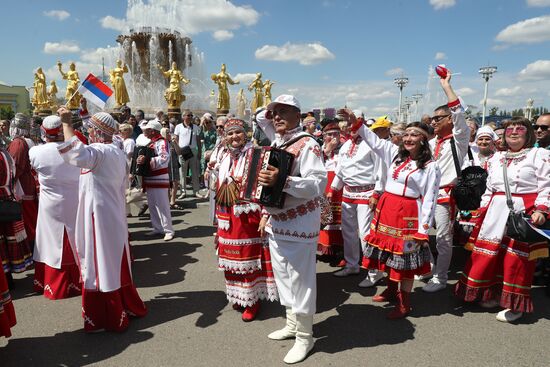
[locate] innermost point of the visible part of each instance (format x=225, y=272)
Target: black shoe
x=143, y=210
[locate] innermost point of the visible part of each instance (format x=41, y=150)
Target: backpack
x=471, y=184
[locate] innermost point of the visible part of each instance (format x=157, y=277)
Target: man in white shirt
x=187, y=135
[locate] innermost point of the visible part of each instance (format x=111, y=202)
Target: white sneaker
x=433, y=286
x=507, y=315
x=346, y=272
x=370, y=281
x=168, y=236
x=492, y=303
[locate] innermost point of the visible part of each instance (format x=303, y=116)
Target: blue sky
x=328, y=53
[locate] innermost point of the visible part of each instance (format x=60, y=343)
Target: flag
x=95, y=91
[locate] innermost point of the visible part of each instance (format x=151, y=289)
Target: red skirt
x=390, y=245
x=7, y=312
x=15, y=249
x=330, y=236
x=111, y=310
x=59, y=283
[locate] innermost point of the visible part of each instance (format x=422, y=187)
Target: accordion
x=256, y=160
x=143, y=169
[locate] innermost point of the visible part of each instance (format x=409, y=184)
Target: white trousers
x=192, y=164
x=356, y=220
x=159, y=207
x=295, y=274
x=444, y=242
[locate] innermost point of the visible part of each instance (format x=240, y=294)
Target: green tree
x=6, y=113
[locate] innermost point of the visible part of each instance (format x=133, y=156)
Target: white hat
x=208, y=116
x=51, y=126
x=104, y=122
x=286, y=99
x=358, y=113
x=154, y=125
x=142, y=124
x=486, y=131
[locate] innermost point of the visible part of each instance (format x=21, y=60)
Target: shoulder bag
x=471, y=183
x=186, y=151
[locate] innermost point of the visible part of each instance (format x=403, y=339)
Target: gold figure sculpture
x=241, y=104
x=258, y=99
x=267, y=92
x=40, y=97
x=73, y=80
x=52, y=95
x=116, y=76
x=173, y=95
x=221, y=79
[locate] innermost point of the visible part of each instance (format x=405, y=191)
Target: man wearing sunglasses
x=541, y=130
x=187, y=134
x=450, y=128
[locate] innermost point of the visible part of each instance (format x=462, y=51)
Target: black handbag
x=10, y=209
x=187, y=152
x=517, y=225
x=471, y=183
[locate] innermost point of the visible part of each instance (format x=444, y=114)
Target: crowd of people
x=360, y=192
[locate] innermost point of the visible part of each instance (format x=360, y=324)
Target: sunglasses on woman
x=515, y=129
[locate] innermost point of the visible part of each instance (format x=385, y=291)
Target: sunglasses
x=517, y=129
x=219, y=127
x=542, y=127
x=436, y=119
x=188, y=115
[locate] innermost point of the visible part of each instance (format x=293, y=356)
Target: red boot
x=250, y=312
x=389, y=294
x=402, y=308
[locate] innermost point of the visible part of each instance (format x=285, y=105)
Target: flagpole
x=67, y=103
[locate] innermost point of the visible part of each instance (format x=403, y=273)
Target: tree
x=6, y=113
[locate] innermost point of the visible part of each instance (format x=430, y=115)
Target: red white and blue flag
x=95, y=91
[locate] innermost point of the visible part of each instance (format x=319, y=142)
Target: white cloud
x=186, y=16
x=442, y=4
x=466, y=91
x=222, y=35
x=507, y=92
x=394, y=71
x=440, y=56
x=59, y=14
x=493, y=102
x=538, y=3
x=538, y=70
x=532, y=30
x=62, y=47
x=244, y=77
x=305, y=54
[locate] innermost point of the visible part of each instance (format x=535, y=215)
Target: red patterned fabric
x=59, y=283
x=111, y=310
x=15, y=250
x=7, y=312
x=330, y=236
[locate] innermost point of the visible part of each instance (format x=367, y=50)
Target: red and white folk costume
x=403, y=214
x=7, y=312
x=501, y=268
x=109, y=296
x=56, y=271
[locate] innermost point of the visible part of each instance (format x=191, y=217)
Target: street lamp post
x=408, y=103
x=486, y=72
x=401, y=82
x=416, y=97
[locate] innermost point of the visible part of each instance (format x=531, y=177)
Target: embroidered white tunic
x=101, y=227
x=405, y=179
x=299, y=219
x=58, y=203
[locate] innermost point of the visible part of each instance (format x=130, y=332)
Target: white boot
x=304, y=340
x=289, y=331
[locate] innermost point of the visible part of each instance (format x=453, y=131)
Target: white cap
x=486, y=131
x=51, y=122
x=142, y=124
x=358, y=113
x=153, y=125
x=286, y=99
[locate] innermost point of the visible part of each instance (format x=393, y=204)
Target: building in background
x=15, y=98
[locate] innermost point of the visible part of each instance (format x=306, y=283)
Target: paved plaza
x=190, y=323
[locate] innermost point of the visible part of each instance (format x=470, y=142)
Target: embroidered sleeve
x=429, y=194
x=312, y=177
x=492, y=164
x=383, y=148
x=461, y=131
x=542, y=166
x=77, y=154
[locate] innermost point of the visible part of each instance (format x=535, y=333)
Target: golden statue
x=173, y=95
x=257, y=85
x=73, y=80
x=117, y=81
x=267, y=92
x=221, y=79
x=52, y=95
x=241, y=104
x=40, y=97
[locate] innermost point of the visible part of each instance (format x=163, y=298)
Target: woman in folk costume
x=15, y=249
x=330, y=236
x=56, y=273
x=243, y=253
x=109, y=296
x=398, y=239
x=25, y=182
x=500, y=269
